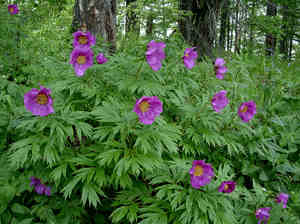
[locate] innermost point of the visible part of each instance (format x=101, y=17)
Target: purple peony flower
x=247, y=110
x=189, y=57
x=155, y=54
x=201, y=173
x=82, y=39
x=13, y=9
x=101, y=59
x=227, y=186
x=263, y=215
x=220, y=69
x=147, y=108
x=40, y=188
x=81, y=59
x=34, y=181
x=219, y=101
x=47, y=191
x=282, y=197
x=39, y=102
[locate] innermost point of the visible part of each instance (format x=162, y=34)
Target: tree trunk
x=284, y=42
x=284, y=39
x=224, y=25
x=99, y=17
x=244, y=28
x=237, y=28
x=291, y=48
x=231, y=33
x=199, y=30
x=149, y=24
x=228, y=32
x=251, y=27
x=132, y=23
x=270, y=39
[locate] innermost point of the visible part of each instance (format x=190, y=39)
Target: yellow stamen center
x=82, y=39
x=198, y=171
x=11, y=9
x=244, y=109
x=81, y=59
x=42, y=99
x=144, y=106
x=187, y=55
x=226, y=187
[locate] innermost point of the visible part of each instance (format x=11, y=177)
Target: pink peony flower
x=227, y=186
x=189, y=57
x=155, y=54
x=13, y=9
x=39, y=102
x=82, y=39
x=81, y=59
x=39, y=187
x=201, y=173
x=147, y=108
x=220, y=69
x=282, y=197
x=263, y=215
x=47, y=191
x=247, y=110
x=101, y=59
x=219, y=101
x=34, y=181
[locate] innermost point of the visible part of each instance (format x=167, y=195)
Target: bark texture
x=224, y=23
x=98, y=16
x=270, y=39
x=149, y=24
x=284, y=38
x=132, y=22
x=237, y=28
x=251, y=27
x=200, y=29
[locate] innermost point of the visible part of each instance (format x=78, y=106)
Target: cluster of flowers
x=82, y=56
x=39, y=187
x=201, y=174
x=39, y=102
x=13, y=9
x=147, y=108
x=246, y=111
x=155, y=54
x=263, y=214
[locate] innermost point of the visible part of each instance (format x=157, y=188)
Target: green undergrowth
x=104, y=166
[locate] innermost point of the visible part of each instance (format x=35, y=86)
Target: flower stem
x=139, y=69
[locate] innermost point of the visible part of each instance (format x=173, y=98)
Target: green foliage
x=104, y=166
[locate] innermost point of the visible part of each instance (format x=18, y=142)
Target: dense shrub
x=104, y=166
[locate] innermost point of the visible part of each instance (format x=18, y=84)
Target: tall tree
x=132, y=23
x=99, y=17
x=251, y=26
x=149, y=23
x=284, y=45
x=270, y=39
x=224, y=25
x=199, y=29
x=237, y=28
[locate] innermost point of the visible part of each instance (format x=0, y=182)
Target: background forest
x=221, y=141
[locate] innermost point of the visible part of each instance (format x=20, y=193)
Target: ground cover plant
x=146, y=135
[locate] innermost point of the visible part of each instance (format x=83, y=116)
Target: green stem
x=139, y=69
